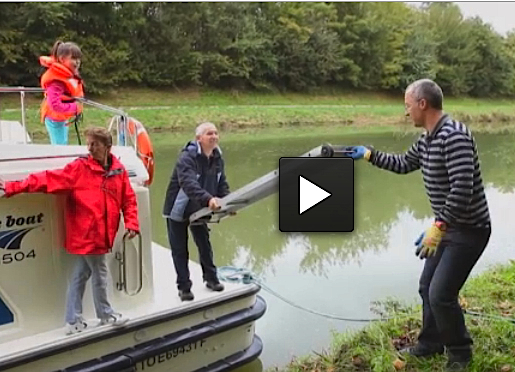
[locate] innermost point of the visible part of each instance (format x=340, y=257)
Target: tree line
x=261, y=46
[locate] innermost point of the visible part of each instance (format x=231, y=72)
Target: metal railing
x=121, y=257
x=122, y=117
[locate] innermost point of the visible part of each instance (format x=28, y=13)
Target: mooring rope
x=233, y=274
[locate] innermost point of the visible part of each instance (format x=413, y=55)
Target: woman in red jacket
x=97, y=188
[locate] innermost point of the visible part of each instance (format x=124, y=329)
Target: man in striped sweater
x=447, y=155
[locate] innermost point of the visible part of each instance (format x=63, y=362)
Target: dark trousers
x=442, y=278
x=178, y=239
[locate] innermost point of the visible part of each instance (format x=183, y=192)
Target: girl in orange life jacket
x=61, y=82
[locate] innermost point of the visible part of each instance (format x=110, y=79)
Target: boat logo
x=12, y=238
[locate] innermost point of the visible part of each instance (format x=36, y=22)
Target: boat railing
x=117, y=124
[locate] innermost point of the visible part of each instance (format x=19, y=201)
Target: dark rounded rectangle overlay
x=333, y=214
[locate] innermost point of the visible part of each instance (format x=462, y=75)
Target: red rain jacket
x=95, y=198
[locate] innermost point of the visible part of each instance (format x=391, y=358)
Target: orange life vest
x=73, y=84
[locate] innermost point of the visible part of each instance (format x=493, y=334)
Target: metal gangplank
x=261, y=187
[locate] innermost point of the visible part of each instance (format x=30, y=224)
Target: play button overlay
x=316, y=194
x=310, y=194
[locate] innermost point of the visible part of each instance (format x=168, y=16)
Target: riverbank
x=374, y=348
x=252, y=113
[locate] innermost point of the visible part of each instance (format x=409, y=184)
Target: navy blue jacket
x=195, y=180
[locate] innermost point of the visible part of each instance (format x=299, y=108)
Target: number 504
x=9, y=258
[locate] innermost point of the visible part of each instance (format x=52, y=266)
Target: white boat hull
x=158, y=345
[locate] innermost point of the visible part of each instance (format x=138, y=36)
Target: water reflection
x=338, y=273
x=254, y=366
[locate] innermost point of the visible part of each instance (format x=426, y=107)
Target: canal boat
x=214, y=332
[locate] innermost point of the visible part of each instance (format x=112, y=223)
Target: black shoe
x=458, y=359
x=454, y=366
x=422, y=351
x=186, y=295
x=215, y=286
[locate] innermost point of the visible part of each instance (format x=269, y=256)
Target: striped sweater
x=450, y=168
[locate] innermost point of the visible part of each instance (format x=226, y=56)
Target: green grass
x=374, y=348
x=203, y=97
x=178, y=112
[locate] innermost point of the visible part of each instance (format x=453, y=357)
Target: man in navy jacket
x=198, y=180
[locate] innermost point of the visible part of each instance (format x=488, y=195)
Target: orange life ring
x=145, y=148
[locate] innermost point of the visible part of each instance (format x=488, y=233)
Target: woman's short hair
x=100, y=134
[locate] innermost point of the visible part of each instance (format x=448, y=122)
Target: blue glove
x=418, y=243
x=360, y=152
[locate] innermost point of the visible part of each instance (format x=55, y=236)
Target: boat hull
x=215, y=345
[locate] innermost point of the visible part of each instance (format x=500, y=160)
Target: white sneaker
x=115, y=319
x=77, y=327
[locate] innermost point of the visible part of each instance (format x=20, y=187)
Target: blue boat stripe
x=17, y=239
x=6, y=316
x=11, y=239
x=6, y=237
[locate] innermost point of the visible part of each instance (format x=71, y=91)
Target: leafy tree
x=293, y=46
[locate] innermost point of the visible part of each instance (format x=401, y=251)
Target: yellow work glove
x=428, y=241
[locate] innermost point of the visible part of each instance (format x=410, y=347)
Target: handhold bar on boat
x=121, y=285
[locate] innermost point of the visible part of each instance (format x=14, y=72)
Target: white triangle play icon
x=310, y=194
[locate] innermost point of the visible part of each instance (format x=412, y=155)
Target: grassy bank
x=249, y=113
x=374, y=348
